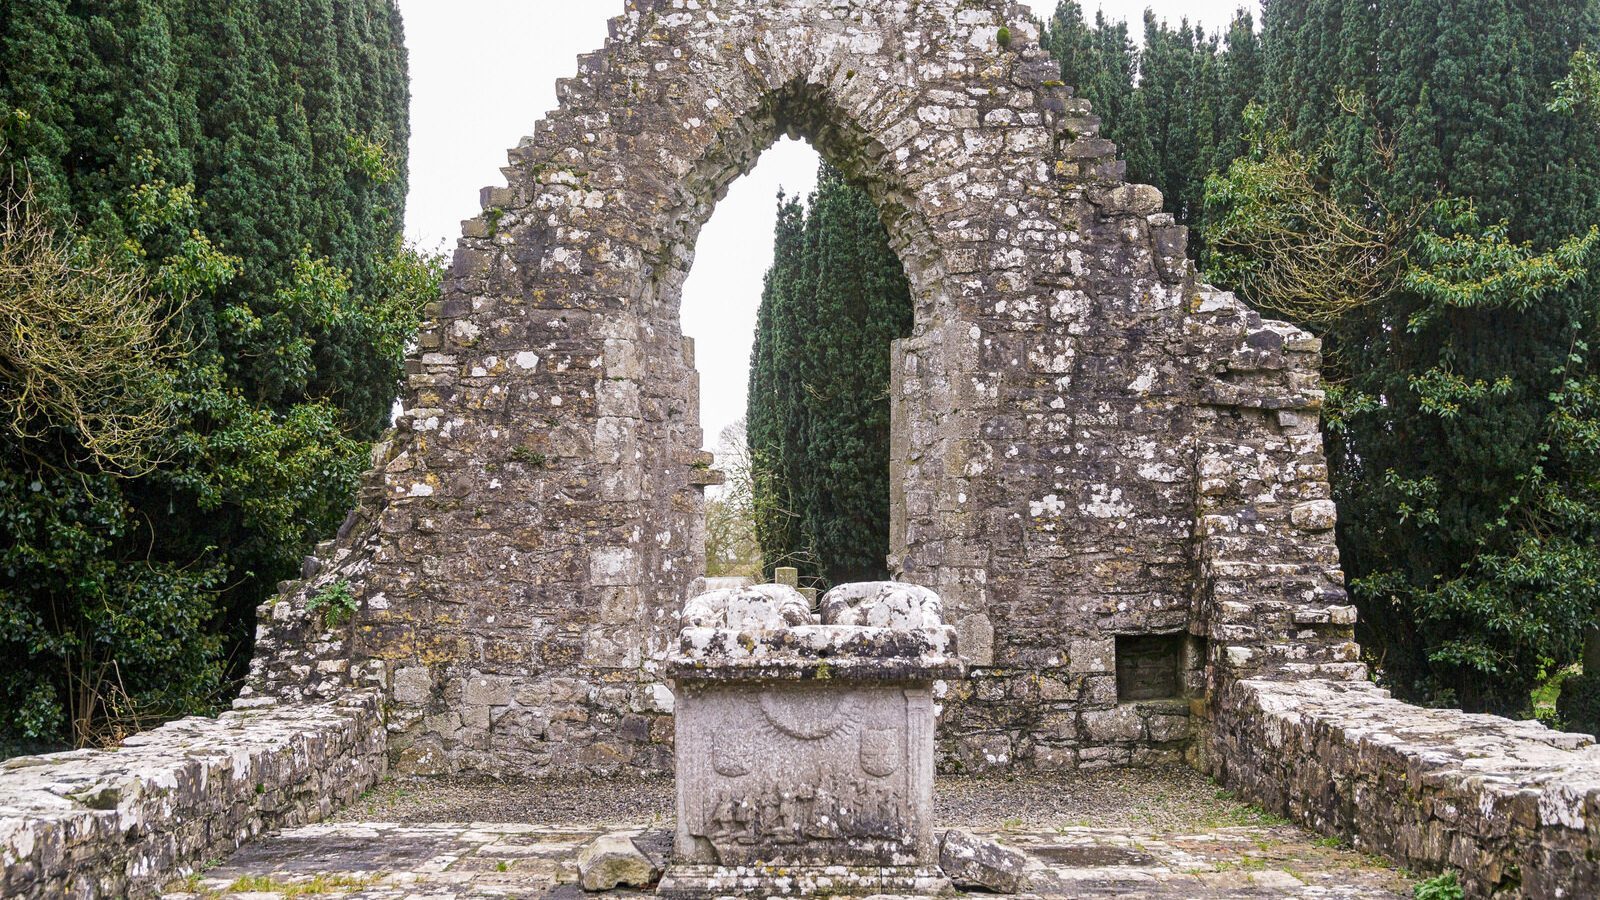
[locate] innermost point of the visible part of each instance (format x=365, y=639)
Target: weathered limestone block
x=1315, y=515
x=1121, y=724
x=809, y=746
x=975, y=639
x=975, y=864
x=613, y=860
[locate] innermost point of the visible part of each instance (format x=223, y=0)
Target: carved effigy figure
x=788, y=824
x=769, y=825
x=824, y=821
x=744, y=822
x=723, y=823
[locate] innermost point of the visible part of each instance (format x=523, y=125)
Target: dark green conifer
x=248, y=159
x=818, y=417
x=1457, y=497
x=777, y=522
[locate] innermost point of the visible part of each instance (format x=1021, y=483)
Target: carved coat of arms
x=880, y=750
x=732, y=751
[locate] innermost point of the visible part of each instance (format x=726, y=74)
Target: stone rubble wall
x=1513, y=807
x=122, y=823
x=1088, y=441
x=298, y=657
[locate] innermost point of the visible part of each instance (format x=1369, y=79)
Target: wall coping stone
x=123, y=822
x=1513, y=806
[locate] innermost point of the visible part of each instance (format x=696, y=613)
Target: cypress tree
x=1456, y=500
x=768, y=403
x=1237, y=84
x=818, y=414
x=246, y=160
x=1176, y=107
x=1100, y=64
x=862, y=303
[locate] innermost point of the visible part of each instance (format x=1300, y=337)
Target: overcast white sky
x=484, y=71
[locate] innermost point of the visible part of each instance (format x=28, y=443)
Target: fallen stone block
x=976, y=864
x=611, y=861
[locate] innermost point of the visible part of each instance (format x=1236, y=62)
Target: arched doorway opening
x=799, y=419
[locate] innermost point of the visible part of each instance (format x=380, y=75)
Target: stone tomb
x=805, y=742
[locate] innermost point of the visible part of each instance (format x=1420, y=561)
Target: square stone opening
x=1150, y=667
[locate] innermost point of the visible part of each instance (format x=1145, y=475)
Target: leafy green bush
x=227, y=172
x=1440, y=887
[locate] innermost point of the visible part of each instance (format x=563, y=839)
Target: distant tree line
x=1418, y=181
x=1175, y=106
x=731, y=547
x=204, y=310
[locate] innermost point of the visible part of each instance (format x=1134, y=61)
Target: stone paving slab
x=498, y=861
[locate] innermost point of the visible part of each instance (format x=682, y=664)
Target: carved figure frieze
x=823, y=808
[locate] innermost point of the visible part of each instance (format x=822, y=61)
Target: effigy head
x=876, y=630
x=760, y=607
x=883, y=604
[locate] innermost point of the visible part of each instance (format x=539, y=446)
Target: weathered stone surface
x=975, y=639
x=769, y=633
x=883, y=604
x=683, y=882
x=1317, y=515
x=612, y=860
x=976, y=864
x=1512, y=806
x=91, y=824
x=756, y=607
x=499, y=861
x=805, y=775
x=1087, y=441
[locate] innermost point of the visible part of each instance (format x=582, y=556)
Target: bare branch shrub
x=85, y=345
x=1291, y=248
x=731, y=546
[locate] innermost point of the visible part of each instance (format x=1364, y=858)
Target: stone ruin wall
x=1090, y=443
x=1512, y=807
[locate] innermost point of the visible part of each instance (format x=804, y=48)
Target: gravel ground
x=1167, y=799
x=1162, y=800
x=416, y=801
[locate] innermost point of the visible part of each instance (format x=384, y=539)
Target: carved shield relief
x=732, y=751
x=880, y=750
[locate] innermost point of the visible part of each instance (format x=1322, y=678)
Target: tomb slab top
x=874, y=632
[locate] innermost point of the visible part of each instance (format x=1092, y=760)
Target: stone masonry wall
x=1512, y=806
x=1088, y=442
x=112, y=824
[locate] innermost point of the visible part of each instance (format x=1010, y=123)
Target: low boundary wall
x=1512, y=806
x=121, y=823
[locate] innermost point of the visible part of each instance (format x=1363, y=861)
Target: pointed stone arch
x=1088, y=442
